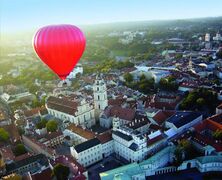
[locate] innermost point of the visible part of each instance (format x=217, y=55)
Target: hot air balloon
x=60, y=47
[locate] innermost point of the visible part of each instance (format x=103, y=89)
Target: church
x=80, y=110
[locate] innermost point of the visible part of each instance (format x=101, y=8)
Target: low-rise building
x=124, y=115
x=129, y=144
x=78, y=134
x=32, y=164
x=88, y=152
x=183, y=120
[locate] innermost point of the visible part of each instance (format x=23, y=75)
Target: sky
x=21, y=15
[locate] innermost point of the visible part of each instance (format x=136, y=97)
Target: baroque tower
x=100, y=96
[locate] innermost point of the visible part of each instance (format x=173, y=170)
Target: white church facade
x=79, y=111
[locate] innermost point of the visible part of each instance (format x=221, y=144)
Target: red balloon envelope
x=60, y=47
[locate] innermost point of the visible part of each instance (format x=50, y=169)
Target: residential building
x=78, y=134
x=183, y=120
x=129, y=144
x=88, y=152
x=124, y=115
x=32, y=164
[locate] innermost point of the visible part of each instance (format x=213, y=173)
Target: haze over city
x=31, y=14
x=110, y=89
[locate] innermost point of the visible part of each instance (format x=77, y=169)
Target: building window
x=99, y=106
x=98, y=97
x=97, y=88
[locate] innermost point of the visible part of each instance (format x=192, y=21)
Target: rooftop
x=85, y=133
x=87, y=144
x=62, y=105
x=122, y=113
x=183, y=117
x=122, y=135
x=124, y=172
x=40, y=158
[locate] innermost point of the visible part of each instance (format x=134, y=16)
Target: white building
x=70, y=111
x=107, y=143
x=77, y=70
x=130, y=144
x=150, y=72
x=218, y=37
x=87, y=153
x=78, y=134
x=16, y=97
x=207, y=37
x=183, y=120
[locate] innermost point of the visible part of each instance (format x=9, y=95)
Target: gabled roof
x=62, y=105
x=122, y=113
x=162, y=116
x=182, y=118
x=24, y=162
x=123, y=136
x=105, y=137
x=85, y=133
x=86, y=145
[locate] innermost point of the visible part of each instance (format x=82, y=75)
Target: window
x=97, y=88
x=99, y=106
x=98, y=97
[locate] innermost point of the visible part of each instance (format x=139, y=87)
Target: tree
x=182, y=151
x=51, y=126
x=19, y=150
x=217, y=134
x=168, y=84
x=41, y=124
x=197, y=100
x=128, y=77
x=142, y=77
x=4, y=135
x=200, y=102
x=219, y=54
x=61, y=172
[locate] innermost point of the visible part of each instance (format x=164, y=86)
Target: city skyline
x=25, y=15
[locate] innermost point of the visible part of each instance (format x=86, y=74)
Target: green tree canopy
x=197, y=100
x=41, y=124
x=61, y=172
x=168, y=84
x=51, y=126
x=217, y=134
x=19, y=150
x=128, y=77
x=4, y=135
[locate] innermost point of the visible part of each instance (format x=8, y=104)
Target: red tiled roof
x=13, y=132
x=217, y=118
x=154, y=127
x=7, y=153
x=199, y=137
x=23, y=156
x=162, y=116
x=105, y=137
x=33, y=112
x=62, y=105
x=45, y=174
x=69, y=161
x=51, y=135
x=87, y=134
x=122, y=113
x=115, y=102
x=219, y=107
x=155, y=140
